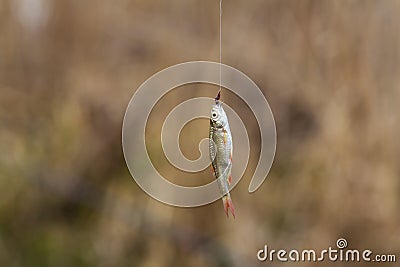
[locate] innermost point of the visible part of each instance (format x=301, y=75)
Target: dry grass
x=331, y=73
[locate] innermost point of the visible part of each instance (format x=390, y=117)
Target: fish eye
x=214, y=115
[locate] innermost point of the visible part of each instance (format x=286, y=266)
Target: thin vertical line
x=220, y=44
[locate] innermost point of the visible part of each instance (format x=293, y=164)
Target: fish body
x=221, y=147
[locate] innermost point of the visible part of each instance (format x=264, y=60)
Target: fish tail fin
x=228, y=205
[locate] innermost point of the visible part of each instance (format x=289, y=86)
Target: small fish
x=220, y=144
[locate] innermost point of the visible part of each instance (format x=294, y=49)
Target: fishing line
x=220, y=50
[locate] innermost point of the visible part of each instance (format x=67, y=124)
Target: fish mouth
x=218, y=96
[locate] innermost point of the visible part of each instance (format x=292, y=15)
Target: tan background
x=330, y=71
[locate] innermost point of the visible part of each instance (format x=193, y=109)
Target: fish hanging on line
x=220, y=144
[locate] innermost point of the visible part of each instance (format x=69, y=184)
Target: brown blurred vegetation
x=330, y=71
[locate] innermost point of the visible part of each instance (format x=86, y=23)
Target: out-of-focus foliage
x=331, y=73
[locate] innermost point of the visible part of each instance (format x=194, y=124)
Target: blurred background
x=329, y=69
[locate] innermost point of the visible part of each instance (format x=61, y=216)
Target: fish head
x=218, y=116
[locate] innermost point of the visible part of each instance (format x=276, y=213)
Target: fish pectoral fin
x=212, y=171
